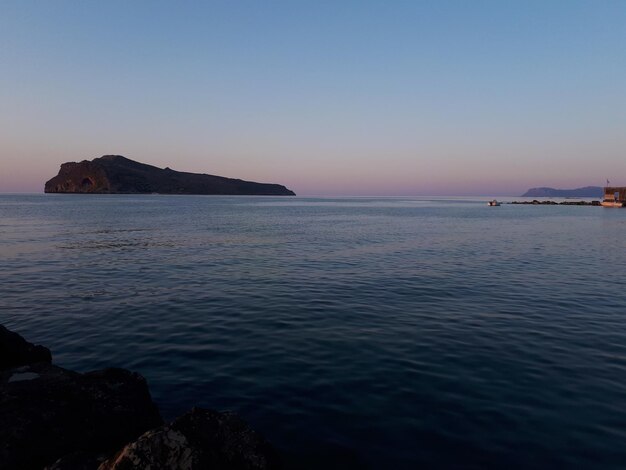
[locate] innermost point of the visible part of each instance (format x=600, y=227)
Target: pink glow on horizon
x=418, y=178
x=326, y=99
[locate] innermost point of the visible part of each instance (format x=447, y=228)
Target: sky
x=326, y=97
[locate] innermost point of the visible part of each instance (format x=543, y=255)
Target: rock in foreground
x=116, y=174
x=16, y=351
x=200, y=439
x=47, y=412
x=70, y=421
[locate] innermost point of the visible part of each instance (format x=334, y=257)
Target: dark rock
x=200, y=439
x=117, y=174
x=70, y=421
x=48, y=412
x=78, y=461
x=16, y=351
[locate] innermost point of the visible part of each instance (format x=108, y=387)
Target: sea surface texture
x=352, y=332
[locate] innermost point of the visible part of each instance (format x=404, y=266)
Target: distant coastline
x=587, y=191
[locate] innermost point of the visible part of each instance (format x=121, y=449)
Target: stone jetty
x=536, y=202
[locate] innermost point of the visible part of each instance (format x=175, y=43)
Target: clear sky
x=327, y=97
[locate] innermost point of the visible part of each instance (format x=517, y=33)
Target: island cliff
x=116, y=174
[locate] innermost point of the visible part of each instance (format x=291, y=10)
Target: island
x=115, y=174
x=587, y=191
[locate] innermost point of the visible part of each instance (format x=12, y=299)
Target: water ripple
x=383, y=333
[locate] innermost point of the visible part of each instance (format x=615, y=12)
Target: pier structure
x=614, y=196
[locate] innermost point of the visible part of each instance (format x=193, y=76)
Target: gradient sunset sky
x=325, y=97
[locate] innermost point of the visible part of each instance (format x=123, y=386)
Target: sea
x=382, y=333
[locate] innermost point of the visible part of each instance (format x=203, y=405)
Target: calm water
x=381, y=333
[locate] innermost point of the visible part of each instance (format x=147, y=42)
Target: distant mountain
x=587, y=191
x=116, y=174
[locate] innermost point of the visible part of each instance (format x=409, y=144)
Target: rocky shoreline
x=536, y=202
x=58, y=419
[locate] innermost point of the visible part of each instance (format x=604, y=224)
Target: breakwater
x=536, y=202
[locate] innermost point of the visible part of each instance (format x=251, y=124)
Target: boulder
x=200, y=439
x=48, y=412
x=57, y=419
x=16, y=351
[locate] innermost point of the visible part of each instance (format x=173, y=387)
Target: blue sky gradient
x=350, y=97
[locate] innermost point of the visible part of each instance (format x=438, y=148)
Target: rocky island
x=115, y=174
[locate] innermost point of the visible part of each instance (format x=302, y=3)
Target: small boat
x=493, y=203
